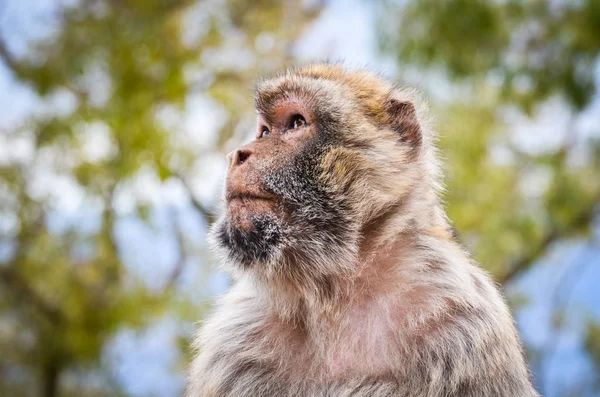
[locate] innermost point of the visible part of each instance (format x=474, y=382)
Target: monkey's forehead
x=329, y=82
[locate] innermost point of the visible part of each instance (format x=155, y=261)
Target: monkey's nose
x=239, y=157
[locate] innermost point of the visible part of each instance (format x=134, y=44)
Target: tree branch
x=9, y=59
x=585, y=217
x=206, y=213
x=14, y=280
x=179, y=264
x=50, y=377
x=113, y=267
x=11, y=277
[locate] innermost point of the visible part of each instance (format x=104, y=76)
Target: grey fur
x=363, y=292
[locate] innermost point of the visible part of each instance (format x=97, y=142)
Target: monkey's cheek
x=242, y=212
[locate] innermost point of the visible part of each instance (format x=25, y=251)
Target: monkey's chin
x=249, y=238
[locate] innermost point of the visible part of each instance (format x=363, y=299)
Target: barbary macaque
x=347, y=280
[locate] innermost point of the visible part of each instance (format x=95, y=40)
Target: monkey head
x=334, y=152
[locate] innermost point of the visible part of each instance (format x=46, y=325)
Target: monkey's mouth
x=244, y=207
x=247, y=196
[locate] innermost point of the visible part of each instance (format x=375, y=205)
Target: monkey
x=346, y=277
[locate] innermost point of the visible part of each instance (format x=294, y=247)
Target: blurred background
x=116, y=115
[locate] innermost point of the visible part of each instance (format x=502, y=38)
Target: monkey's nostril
x=242, y=156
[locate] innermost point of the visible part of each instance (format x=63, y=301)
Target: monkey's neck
x=367, y=265
x=419, y=212
x=390, y=244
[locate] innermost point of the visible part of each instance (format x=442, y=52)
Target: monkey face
x=279, y=139
x=326, y=160
x=276, y=205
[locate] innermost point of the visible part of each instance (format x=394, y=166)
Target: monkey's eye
x=297, y=122
x=264, y=132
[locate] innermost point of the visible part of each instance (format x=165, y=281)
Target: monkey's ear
x=403, y=119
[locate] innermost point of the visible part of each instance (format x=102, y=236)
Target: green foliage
x=533, y=49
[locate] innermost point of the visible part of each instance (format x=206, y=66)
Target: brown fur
x=396, y=307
